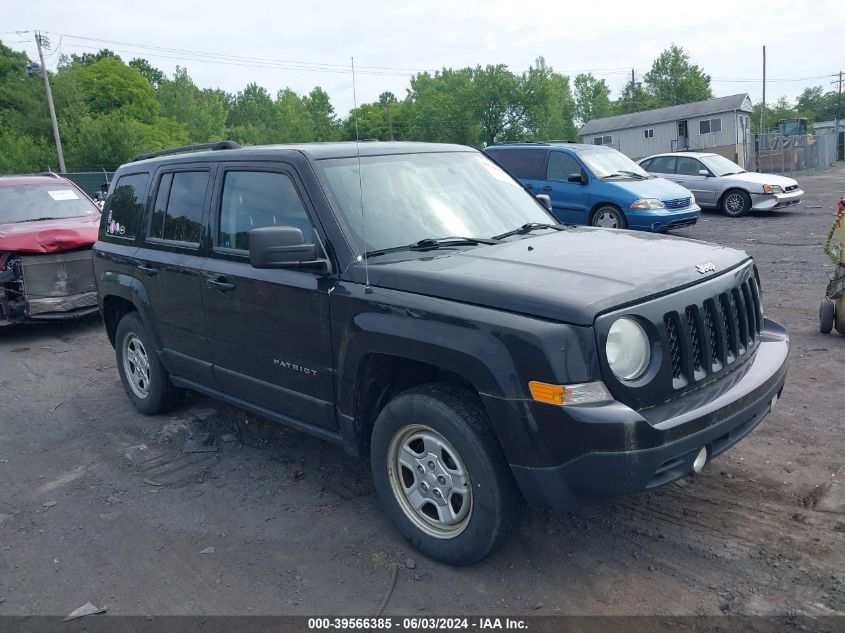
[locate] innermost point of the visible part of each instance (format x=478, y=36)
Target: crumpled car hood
x=49, y=236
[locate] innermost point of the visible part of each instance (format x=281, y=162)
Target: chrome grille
x=680, y=203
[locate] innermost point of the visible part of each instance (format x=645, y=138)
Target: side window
x=254, y=199
x=688, y=166
x=662, y=165
x=561, y=166
x=527, y=164
x=177, y=213
x=645, y=164
x=123, y=211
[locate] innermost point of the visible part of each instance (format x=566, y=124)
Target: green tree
x=202, y=112
x=441, y=108
x=592, y=98
x=21, y=153
x=294, y=121
x=322, y=114
x=390, y=106
x=821, y=104
x=148, y=72
x=551, y=106
x=108, y=140
x=634, y=98
x=673, y=80
x=110, y=85
x=501, y=106
x=252, y=117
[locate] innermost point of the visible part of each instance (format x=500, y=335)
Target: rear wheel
x=736, y=203
x=826, y=315
x=609, y=217
x=143, y=376
x=441, y=475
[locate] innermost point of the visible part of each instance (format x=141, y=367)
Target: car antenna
x=367, y=288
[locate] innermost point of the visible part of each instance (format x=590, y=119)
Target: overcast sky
x=391, y=41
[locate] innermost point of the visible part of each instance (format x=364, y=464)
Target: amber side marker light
x=562, y=395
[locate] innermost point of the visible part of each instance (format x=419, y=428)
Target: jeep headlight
x=648, y=203
x=691, y=198
x=772, y=189
x=628, y=349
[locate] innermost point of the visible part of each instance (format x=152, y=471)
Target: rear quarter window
x=124, y=207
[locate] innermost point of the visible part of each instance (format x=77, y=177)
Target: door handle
x=220, y=284
x=529, y=186
x=547, y=188
x=147, y=270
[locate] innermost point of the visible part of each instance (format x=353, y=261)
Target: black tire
x=132, y=339
x=839, y=317
x=826, y=315
x=495, y=505
x=609, y=213
x=735, y=203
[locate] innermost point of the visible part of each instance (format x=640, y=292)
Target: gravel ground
x=100, y=504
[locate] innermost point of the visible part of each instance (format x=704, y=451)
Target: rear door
x=570, y=200
x=687, y=174
x=269, y=329
x=170, y=265
x=662, y=166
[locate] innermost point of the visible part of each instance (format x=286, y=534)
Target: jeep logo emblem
x=705, y=268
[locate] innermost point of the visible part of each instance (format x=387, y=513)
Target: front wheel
x=441, y=476
x=143, y=376
x=609, y=217
x=736, y=203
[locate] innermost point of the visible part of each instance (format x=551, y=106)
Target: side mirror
x=281, y=247
x=579, y=178
x=703, y=172
x=545, y=200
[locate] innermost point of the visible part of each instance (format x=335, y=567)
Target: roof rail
x=522, y=143
x=188, y=148
x=561, y=140
x=51, y=174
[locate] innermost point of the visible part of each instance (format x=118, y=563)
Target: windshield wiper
x=39, y=219
x=735, y=173
x=431, y=243
x=625, y=174
x=527, y=228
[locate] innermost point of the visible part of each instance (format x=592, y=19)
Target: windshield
x=22, y=203
x=604, y=163
x=721, y=166
x=411, y=197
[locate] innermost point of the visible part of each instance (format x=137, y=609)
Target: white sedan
x=719, y=183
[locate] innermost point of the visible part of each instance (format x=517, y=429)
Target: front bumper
x=769, y=202
x=625, y=451
x=660, y=221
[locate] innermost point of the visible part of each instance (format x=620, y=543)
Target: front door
x=169, y=268
x=570, y=200
x=688, y=173
x=268, y=328
x=682, y=136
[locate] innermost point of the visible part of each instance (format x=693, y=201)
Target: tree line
x=110, y=110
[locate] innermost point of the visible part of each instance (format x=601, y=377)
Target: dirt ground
x=100, y=504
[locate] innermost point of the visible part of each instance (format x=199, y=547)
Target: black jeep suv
x=414, y=303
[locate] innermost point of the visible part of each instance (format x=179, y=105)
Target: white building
x=720, y=125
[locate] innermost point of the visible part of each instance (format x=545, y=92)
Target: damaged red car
x=47, y=228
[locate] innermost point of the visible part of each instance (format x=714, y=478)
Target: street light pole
x=41, y=40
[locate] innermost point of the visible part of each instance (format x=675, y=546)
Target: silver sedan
x=719, y=183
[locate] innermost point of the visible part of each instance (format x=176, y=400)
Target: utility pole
x=838, y=118
x=763, y=108
x=634, y=91
x=40, y=40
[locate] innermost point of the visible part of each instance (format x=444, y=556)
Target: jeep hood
x=568, y=276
